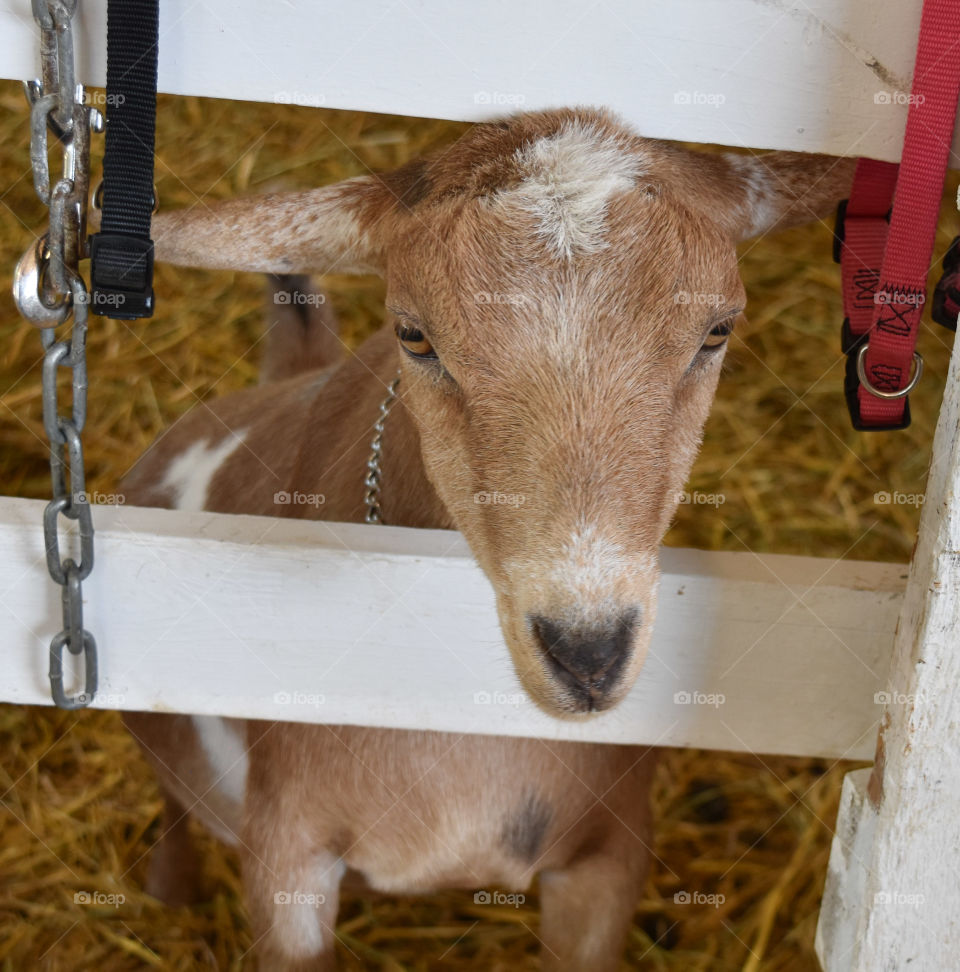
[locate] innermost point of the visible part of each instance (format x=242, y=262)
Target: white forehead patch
x=188, y=477
x=567, y=182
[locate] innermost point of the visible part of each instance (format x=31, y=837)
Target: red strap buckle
x=887, y=266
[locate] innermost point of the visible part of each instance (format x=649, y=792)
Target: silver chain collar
x=48, y=288
x=374, y=469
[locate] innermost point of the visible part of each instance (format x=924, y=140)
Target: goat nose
x=586, y=656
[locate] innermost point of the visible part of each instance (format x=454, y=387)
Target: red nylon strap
x=901, y=290
x=864, y=239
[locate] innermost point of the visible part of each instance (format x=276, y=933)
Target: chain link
x=372, y=481
x=48, y=288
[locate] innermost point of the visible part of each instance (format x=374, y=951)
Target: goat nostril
x=593, y=655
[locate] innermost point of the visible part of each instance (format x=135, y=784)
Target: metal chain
x=48, y=288
x=372, y=482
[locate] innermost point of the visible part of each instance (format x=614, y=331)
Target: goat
x=560, y=294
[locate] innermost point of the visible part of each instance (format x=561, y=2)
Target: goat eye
x=414, y=343
x=717, y=337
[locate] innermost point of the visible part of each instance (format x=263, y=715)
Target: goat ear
x=328, y=230
x=777, y=190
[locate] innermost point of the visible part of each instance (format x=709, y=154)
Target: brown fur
x=583, y=391
x=302, y=330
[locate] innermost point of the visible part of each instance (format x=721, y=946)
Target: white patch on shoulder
x=760, y=193
x=568, y=180
x=224, y=745
x=189, y=476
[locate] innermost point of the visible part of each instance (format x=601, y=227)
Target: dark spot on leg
x=526, y=827
x=341, y=842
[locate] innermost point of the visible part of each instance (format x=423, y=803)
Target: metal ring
x=902, y=392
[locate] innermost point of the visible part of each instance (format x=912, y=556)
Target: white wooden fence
x=258, y=617
x=285, y=619
x=811, y=75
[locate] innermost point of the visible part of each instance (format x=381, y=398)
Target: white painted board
x=892, y=900
x=393, y=627
x=811, y=75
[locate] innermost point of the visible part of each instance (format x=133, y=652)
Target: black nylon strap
x=122, y=252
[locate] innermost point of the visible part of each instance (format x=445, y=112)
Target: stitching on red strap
x=901, y=309
x=865, y=281
x=888, y=316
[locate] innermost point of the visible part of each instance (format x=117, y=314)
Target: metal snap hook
x=27, y=288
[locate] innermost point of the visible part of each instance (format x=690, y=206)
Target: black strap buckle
x=121, y=254
x=945, y=306
x=851, y=344
x=839, y=227
x=121, y=276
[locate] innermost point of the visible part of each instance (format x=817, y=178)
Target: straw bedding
x=79, y=805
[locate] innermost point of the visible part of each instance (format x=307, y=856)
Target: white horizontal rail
x=811, y=75
x=392, y=627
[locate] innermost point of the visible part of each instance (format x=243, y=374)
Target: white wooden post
x=892, y=898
